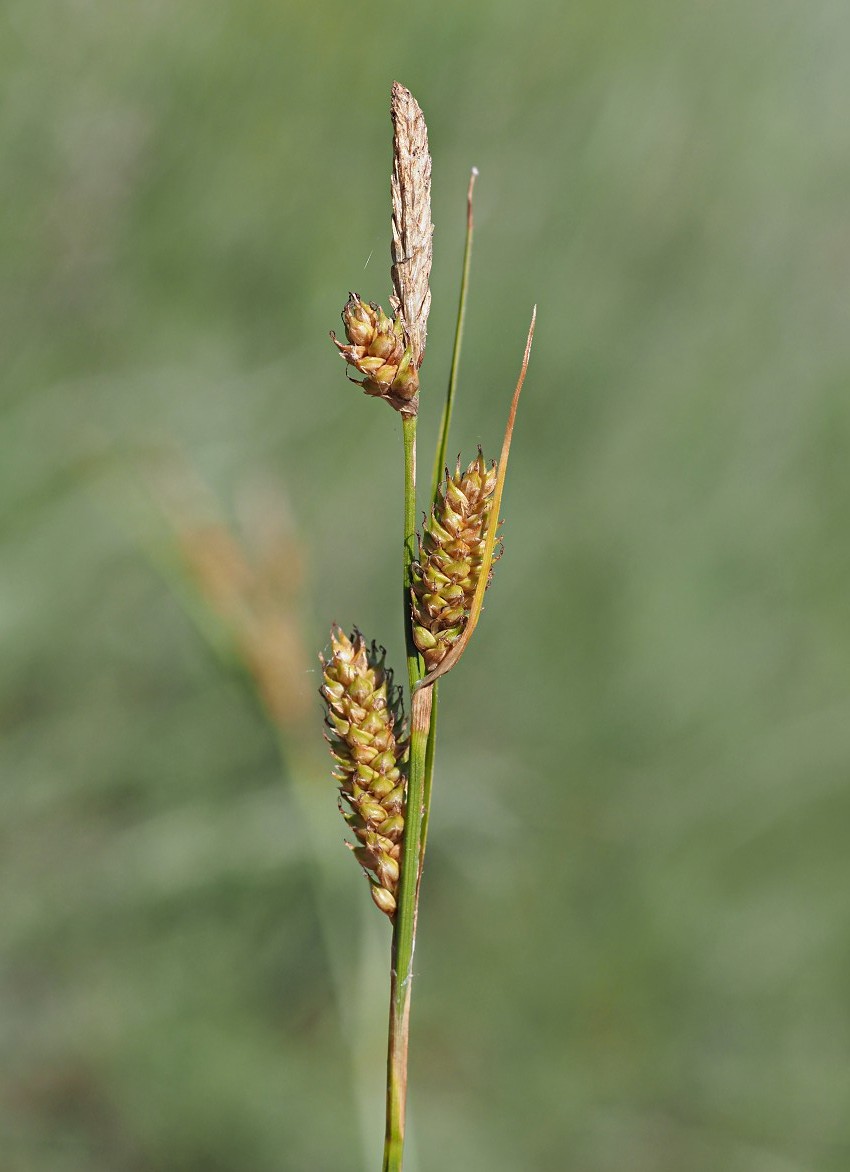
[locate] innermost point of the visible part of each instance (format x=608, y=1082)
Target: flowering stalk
x=411, y=252
x=384, y=778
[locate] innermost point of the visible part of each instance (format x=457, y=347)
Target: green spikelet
x=363, y=709
x=377, y=347
x=451, y=551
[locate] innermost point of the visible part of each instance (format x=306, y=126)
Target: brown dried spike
x=412, y=227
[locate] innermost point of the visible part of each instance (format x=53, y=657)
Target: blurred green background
x=634, y=948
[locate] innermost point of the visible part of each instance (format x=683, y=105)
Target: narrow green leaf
x=442, y=446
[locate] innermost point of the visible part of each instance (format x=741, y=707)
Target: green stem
x=422, y=748
x=445, y=422
x=415, y=669
x=430, y=751
x=404, y=930
x=439, y=465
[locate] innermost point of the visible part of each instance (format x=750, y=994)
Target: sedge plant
x=384, y=764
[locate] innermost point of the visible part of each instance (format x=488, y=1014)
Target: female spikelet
x=450, y=563
x=363, y=709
